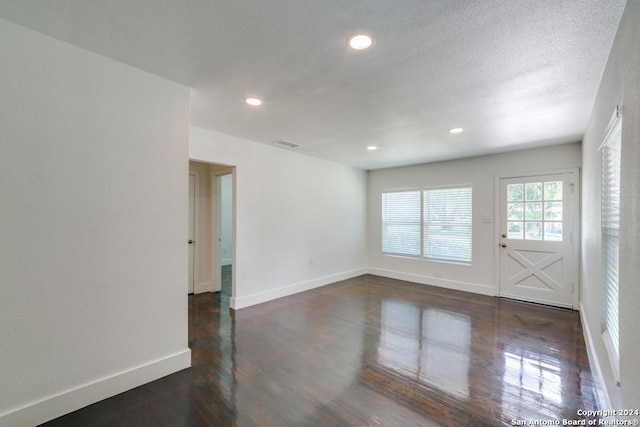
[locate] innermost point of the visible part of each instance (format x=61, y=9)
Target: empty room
x=359, y=213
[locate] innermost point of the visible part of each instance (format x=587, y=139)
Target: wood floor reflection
x=366, y=351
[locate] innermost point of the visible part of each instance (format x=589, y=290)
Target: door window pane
x=553, y=190
x=553, y=231
x=553, y=211
x=515, y=192
x=515, y=211
x=533, y=211
x=533, y=231
x=515, y=230
x=533, y=191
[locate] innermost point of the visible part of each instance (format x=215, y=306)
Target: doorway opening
x=211, y=246
x=211, y=228
x=224, y=191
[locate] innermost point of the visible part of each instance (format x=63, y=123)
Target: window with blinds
x=611, y=153
x=401, y=219
x=435, y=224
x=447, y=224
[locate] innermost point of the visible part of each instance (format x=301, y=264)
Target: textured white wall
x=480, y=172
x=93, y=260
x=620, y=86
x=289, y=208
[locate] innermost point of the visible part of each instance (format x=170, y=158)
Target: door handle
x=504, y=245
x=190, y=242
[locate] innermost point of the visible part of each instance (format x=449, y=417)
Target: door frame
x=196, y=230
x=216, y=227
x=575, y=232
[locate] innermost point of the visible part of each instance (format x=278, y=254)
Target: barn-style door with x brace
x=537, y=240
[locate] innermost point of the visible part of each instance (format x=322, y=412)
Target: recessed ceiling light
x=456, y=130
x=360, y=41
x=372, y=148
x=253, y=101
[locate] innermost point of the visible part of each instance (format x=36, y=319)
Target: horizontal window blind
x=401, y=218
x=435, y=224
x=448, y=224
x=611, y=154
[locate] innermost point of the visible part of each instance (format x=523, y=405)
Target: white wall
x=300, y=221
x=480, y=173
x=620, y=86
x=93, y=226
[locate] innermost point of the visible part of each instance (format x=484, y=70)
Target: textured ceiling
x=514, y=73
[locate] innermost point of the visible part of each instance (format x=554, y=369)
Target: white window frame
x=610, y=228
x=421, y=252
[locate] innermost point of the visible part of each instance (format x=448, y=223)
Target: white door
x=192, y=224
x=538, y=260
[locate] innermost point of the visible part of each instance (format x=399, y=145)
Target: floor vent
x=285, y=144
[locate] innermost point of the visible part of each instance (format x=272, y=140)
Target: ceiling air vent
x=285, y=144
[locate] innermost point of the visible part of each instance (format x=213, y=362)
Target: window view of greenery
x=435, y=224
x=534, y=211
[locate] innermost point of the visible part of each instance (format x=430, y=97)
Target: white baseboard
x=202, y=287
x=475, y=288
x=249, y=300
x=594, y=363
x=71, y=400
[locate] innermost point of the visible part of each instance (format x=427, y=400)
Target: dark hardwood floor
x=367, y=351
